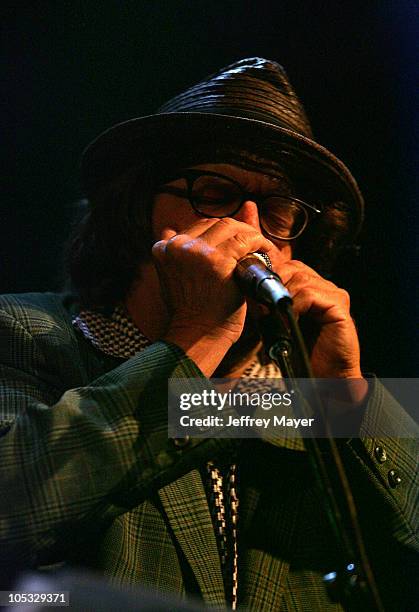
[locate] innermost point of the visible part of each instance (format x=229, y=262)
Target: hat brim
x=154, y=137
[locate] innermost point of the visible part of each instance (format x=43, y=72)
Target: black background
x=74, y=68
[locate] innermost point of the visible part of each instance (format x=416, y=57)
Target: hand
x=196, y=269
x=334, y=348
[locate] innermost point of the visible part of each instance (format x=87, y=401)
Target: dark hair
x=114, y=235
x=110, y=237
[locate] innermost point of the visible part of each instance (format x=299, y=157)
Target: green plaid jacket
x=88, y=476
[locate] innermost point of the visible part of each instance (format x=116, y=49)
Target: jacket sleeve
x=71, y=462
x=387, y=451
x=382, y=467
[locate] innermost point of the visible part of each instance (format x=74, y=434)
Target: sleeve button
x=380, y=454
x=181, y=442
x=394, y=479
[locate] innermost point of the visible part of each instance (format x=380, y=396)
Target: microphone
x=256, y=278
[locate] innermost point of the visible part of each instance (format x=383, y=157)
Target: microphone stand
x=353, y=583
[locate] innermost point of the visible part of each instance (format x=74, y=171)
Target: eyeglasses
x=214, y=195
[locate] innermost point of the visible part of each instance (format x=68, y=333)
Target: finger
x=327, y=306
x=194, y=230
x=226, y=228
x=167, y=233
x=165, y=250
x=289, y=269
x=304, y=279
x=199, y=227
x=216, y=231
x=236, y=244
x=242, y=243
x=158, y=250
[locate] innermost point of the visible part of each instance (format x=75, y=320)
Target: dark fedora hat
x=249, y=105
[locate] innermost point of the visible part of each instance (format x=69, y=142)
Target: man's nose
x=249, y=214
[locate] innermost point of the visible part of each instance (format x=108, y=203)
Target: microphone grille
x=265, y=258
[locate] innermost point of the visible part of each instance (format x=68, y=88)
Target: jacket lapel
x=186, y=507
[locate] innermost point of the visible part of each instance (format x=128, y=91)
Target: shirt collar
x=117, y=335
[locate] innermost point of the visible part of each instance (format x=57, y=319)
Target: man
x=88, y=474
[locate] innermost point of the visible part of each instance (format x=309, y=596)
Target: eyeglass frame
x=191, y=174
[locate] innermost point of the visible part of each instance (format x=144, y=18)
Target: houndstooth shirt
x=118, y=336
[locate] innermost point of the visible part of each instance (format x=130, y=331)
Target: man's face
x=174, y=214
